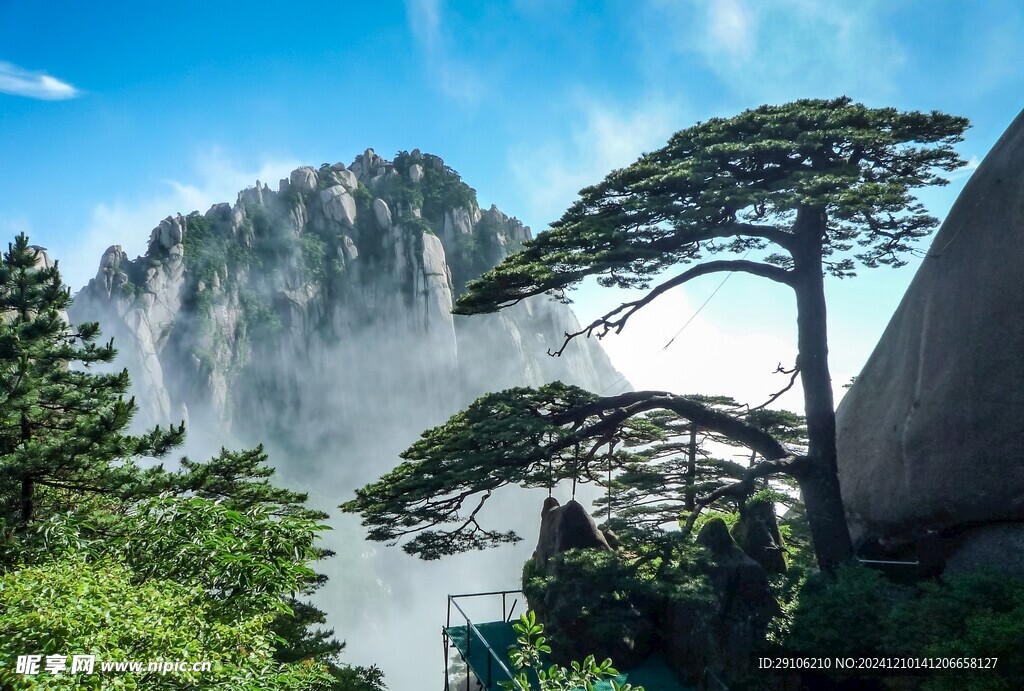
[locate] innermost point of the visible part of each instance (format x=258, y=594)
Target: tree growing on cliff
x=659, y=483
x=804, y=182
x=533, y=438
x=799, y=184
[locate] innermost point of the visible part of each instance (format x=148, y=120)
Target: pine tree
x=796, y=186
x=72, y=499
x=62, y=425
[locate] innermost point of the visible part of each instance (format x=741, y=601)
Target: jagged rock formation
x=712, y=643
x=930, y=435
x=707, y=630
x=757, y=534
x=320, y=313
x=612, y=626
x=566, y=527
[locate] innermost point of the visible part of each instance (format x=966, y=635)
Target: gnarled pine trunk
x=819, y=483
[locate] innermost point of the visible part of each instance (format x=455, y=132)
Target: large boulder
x=929, y=436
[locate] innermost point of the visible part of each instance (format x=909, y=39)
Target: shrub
x=860, y=613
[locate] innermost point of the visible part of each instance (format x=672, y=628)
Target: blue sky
x=115, y=114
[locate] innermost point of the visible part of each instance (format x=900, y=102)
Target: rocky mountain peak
x=324, y=296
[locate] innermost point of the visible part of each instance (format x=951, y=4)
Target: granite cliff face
x=930, y=436
x=320, y=313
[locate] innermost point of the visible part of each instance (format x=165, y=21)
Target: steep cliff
x=319, y=314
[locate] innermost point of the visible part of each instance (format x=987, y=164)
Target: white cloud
x=730, y=28
x=776, y=50
x=549, y=174
x=972, y=165
x=128, y=222
x=20, y=82
x=452, y=77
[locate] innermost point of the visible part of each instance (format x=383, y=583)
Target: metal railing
x=494, y=660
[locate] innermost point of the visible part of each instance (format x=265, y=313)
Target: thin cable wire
x=699, y=310
x=683, y=327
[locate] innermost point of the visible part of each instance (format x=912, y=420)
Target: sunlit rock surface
x=318, y=315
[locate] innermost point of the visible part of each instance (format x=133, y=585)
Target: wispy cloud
x=451, y=76
x=17, y=81
x=968, y=170
x=549, y=173
x=127, y=222
x=782, y=49
x=730, y=28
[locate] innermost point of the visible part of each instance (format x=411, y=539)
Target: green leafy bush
x=847, y=616
x=314, y=256
x=610, y=603
x=528, y=660
x=860, y=613
x=168, y=588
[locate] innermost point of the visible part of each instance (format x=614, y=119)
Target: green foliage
x=129, y=290
x=979, y=615
x=100, y=554
x=241, y=480
x=799, y=184
x=476, y=252
x=528, y=657
x=314, y=256
x=738, y=184
x=78, y=605
x=440, y=189
x=523, y=436
x=443, y=189
x=660, y=482
x=728, y=517
x=62, y=426
x=514, y=437
x=363, y=198
x=859, y=613
x=249, y=559
x=844, y=616
x=213, y=259
x=604, y=591
x=418, y=226
x=400, y=190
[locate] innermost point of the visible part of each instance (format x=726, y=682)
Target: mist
x=354, y=354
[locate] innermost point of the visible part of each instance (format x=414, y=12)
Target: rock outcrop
x=757, y=534
x=612, y=626
x=566, y=527
x=930, y=436
x=711, y=643
x=319, y=315
x=707, y=631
